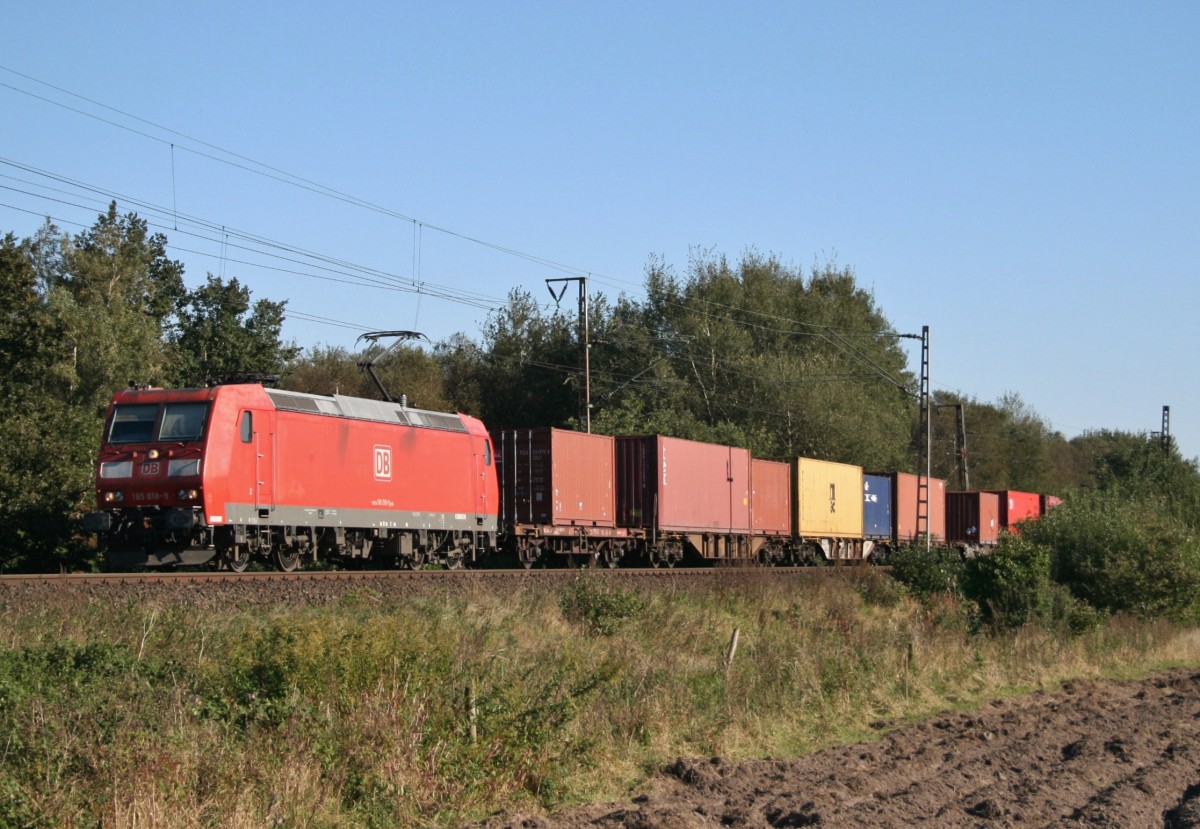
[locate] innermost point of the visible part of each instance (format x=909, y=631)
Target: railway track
x=426, y=577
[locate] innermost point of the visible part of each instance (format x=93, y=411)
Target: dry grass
x=156, y=716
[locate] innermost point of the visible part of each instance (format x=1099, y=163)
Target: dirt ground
x=1120, y=754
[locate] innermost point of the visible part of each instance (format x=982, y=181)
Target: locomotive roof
x=360, y=408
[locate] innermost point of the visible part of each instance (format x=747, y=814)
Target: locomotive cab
x=149, y=485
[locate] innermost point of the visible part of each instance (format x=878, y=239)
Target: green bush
x=927, y=572
x=1123, y=554
x=1013, y=587
x=601, y=608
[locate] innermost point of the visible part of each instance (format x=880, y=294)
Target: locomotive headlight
x=152, y=454
x=114, y=497
x=188, y=494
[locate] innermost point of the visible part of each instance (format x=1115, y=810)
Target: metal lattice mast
x=585, y=346
x=1166, y=427
x=924, y=442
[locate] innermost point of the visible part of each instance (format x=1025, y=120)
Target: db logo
x=383, y=463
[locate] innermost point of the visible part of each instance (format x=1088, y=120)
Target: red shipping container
x=556, y=477
x=1049, y=502
x=1017, y=506
x=904, y=491
x=973, y=518
x=771, y=501
x=675, y=485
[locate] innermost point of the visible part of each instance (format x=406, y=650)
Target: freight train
x=237, y=472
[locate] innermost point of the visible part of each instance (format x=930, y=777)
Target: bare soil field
x=1094, y=753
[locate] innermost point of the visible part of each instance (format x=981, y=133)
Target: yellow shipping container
x=826, y=499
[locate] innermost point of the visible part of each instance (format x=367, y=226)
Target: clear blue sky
x=1022, y=177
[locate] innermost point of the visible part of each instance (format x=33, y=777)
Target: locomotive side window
x=182, y=421
x=247, y=427
x=133, y=423
x=487, y=453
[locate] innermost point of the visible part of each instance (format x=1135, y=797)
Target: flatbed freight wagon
x=557, y=499
x=686, y=496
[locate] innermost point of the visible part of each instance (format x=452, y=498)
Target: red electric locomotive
x=237, y=471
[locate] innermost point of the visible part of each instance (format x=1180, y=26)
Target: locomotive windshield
x=135, y=423
x=182, y=421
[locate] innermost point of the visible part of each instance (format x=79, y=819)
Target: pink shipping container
x=1017, y=506
x=1049, y=502
x=673, y=485
x=905, y=506
x=973, y=518
x=770, y=500
x=556, y=477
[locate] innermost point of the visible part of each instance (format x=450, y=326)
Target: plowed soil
x=1121, y=754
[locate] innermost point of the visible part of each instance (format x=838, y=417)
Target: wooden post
x=472, y=712
x=733, y=642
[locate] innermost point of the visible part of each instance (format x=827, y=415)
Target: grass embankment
x=359, y=715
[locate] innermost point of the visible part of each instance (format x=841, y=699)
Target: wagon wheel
x=415, y=562
x=286, y=559
x=454, y=561
x=528, y=556
x=236, y=558
x=610, y=556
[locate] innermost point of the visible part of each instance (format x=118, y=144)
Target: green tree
x=115, y=289
x=785, y=362
x=220, y=333
x=1009, y=446
x=45, y=442
x=529, y=374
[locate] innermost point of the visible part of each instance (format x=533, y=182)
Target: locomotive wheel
x=286, y=560
x=236, y=558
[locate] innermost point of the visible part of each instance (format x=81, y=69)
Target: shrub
x=1013, y=587
x=601, y=608
x=927, y=572
x=1123, y=554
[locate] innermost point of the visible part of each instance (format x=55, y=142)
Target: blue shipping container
x=877, y=507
